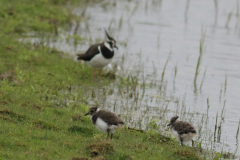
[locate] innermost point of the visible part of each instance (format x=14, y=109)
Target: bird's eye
x=110, y=43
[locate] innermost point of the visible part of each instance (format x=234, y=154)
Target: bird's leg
x=94, y=72
x=111, y=135
x=192, y=143
x=108, y=131
x=181, y=141
x=100, y=73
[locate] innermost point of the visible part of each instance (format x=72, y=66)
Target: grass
x=44, y=95
x=26, y=15
x=200, y=56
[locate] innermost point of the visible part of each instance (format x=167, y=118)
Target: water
x=147, y=33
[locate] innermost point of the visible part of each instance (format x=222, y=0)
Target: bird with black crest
x=99, y=55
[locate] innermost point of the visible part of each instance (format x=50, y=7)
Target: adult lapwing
x=99, y=55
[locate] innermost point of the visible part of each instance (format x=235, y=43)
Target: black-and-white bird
x=99, y=55
x=183, y=131
x=105, y=121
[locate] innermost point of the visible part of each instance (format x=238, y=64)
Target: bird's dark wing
x=90, y=53
x=184, y=128
x=108, y=117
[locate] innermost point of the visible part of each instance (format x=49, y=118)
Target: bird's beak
x=86, y=114
x=168, y=125
x=116, y=46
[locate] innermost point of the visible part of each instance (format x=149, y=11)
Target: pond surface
x=148, y=32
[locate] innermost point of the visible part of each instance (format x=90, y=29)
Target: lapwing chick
x=105, y=121
x=99, y=55
x=183, y=131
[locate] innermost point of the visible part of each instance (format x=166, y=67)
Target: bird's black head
x=173, y=120
x=92, y=111
x=111, y=41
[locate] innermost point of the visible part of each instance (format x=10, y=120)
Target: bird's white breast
x=98, y=61
x=101, y=125
x=104, y=127
x=185, y=137
x=175, y=133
